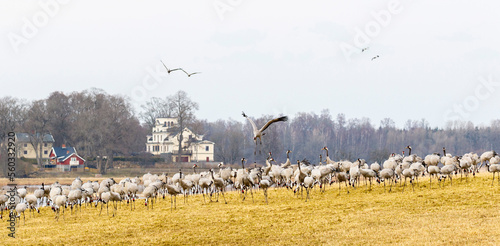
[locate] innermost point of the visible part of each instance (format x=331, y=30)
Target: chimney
x=67, y=151
x=63, y=145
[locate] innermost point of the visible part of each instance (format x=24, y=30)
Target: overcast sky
x=437, y=60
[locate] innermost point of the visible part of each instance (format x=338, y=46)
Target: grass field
x=465, y=213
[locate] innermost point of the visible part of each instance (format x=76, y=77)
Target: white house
x=165, y=140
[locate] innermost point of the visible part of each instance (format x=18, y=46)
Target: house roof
x=207, y=142
x=68, y=156
x=25, y=137
x=63, y=152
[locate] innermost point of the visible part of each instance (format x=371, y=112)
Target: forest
x=99, y=124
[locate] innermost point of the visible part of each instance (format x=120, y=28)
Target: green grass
x=465, y=213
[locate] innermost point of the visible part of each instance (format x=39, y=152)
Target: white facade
x=163, y=141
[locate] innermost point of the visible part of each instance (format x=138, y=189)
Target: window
x=25, y=152
x=207, y=148
x=45, y=145
x=73, y=158
x=25, y=145
x=45, y=152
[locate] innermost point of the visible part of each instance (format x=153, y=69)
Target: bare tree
x=103, y=125
x=59, y=112
x=12, y=115
x=35, y=126
x=155, y=108
x=183, y=109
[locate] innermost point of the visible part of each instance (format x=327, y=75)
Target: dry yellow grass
x=465, y=213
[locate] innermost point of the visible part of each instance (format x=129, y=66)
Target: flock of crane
x=296, y=177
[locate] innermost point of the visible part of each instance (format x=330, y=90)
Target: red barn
x=65, y=158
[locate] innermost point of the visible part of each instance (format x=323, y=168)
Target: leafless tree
x=12, y=115
x=36, y=126
x=155, y=108
x=183, y=109
x=59, y=112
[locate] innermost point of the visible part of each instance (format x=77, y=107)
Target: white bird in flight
x=170, y=70
x=189, y=74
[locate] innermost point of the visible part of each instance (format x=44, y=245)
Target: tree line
x=98, y=124
x=348, y=139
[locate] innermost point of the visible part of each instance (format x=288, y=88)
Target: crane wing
x=165, y=65
x=184, y=71
x=283, y=118
x=251, y=121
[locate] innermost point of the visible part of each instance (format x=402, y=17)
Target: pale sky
x=438, y=60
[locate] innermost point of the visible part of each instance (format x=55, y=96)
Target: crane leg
x=251, y=192
x=265, y=193
x=224, y=198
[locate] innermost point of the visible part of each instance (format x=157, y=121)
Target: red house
x=65, y=158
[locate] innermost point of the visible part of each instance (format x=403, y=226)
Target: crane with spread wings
x=258, y=133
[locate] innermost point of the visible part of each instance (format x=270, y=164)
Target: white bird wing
x=165, y=65
x=184, y=71
x=251, y=122
x=284, y=118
